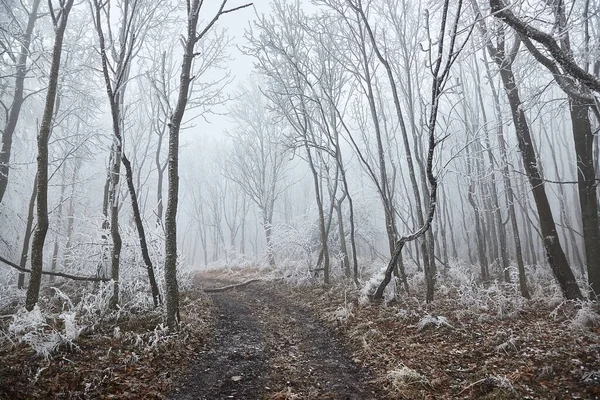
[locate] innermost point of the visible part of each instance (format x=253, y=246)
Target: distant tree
x=257, y=160
x=282, y=50
x=444, y=51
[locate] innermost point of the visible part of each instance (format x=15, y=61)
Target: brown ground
x=533, y=353
x=270, y=341
x=268, y=347
x=142, y=363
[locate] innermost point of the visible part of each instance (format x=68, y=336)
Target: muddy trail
x=266, y=347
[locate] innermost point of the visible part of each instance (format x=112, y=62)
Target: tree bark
x=39, y=236
x=554, y=252
x=27, y=235
x=115, y=254
x=586, y=178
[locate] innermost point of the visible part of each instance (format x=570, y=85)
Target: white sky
x=241, y=66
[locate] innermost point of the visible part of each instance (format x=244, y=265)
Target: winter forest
x=299, y=199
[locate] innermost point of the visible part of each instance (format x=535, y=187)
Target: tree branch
x=561, y=57
x=68, y=276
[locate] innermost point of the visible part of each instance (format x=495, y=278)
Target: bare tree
x=577, y=83
x=554, y=251
x=59, y=20
x=441, y=63
x=134, y=19
x=193, y=36
x=258, y=159
x=281, y=56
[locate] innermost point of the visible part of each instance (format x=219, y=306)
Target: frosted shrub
x=587, y=316
x=26, y=321
x=342, y=313
x=72, y=328
x=371, y=285
x=30, y=327
x=96, y=303
x=43, y=343
x=10, y=298
x=404, y=377
x=430, y=320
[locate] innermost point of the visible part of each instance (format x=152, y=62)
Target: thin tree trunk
x=55, y=249
x=39, y=236
x=115, y=255
x=564, y=217
x=508, y=189
x=267, y=224
x=322, y=227
x=499, y=226
x=588, y=200
x=483, y=262
x=554, y=252
x=68, y=254
x=27, y=235
x=427, y=249
x=450, y=226
x=116, y=105
x=342, y=235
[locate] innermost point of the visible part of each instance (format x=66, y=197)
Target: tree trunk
x=342, y=235
x=267, y=224
x=483, y=261
x=141, y=232
x=115, y=255
x=322, y=227
x=586, y=177
x=554, y=252
x=63, y=187
x=564, y=217
x=508, y=189
x=116, y=101
x=172, y=287
x=68, y=255
x=39, y=236
x=27, y=235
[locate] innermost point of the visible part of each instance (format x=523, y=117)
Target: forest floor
x=267, y=340
x=278, y=342
x=268, y=345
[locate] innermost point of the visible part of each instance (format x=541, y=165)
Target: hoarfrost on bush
x=43, y=343
x=403, y=377
x=72, y=328
x=342, y=314
x=430, y=320
x=26, y=321
x=586, y=316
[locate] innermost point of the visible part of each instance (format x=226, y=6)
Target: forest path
x=268, y=347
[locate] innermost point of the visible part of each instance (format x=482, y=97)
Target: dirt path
x=268, y=348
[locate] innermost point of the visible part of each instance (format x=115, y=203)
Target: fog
x=322, y=138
